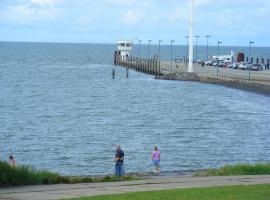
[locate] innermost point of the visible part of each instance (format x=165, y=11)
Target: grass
x=255, y=192
x=237, y=170
x=26, y=175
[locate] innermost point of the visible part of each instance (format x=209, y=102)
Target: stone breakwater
x=181, y=76
x=232, y=83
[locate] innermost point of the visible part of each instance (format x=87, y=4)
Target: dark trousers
x=119, y=169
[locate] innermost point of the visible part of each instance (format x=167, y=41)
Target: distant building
x=225, y=58
x=124, y=48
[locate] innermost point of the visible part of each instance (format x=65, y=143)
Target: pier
x=147, y=66
x=254, y=81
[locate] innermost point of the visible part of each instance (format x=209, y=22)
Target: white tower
x=190, y=65
x=124, y=47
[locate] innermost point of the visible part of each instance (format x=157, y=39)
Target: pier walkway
x=261, y=77
x=253, y=81
x=53, y=192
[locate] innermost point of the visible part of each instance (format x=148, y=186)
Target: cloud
x=25, y=14
x=45, y=2
x=132, y=17
x=121, y=2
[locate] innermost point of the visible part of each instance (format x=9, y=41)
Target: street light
x=159, y=48
x=140, y=48
x=219, y=42
x=134, y=41
x=186, y=49
x=172, y=41
x=197, y=47
x=149, y=41
x=207, y=39
x=249, y=55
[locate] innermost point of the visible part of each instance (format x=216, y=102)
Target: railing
x=147, y=66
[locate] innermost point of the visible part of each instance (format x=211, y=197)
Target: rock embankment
x=232, y=83
x=181, y=76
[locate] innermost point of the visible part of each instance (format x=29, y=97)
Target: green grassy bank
x=254, y=192
x=25, y=175
x=237, y=170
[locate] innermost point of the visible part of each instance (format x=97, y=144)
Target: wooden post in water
x=113, y=73
x=127, y=72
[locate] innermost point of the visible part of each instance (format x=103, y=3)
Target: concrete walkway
x=94, y=189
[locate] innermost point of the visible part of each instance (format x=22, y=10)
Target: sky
x=234, y=22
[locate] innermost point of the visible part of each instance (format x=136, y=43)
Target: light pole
x=219, y=42
x=140, y=41
x=186, y=49
x=134, y=41
x=159, y=48
x=249, y=52
x=149, y=41
x=207, y=40
x=172, y=41
x=197, y=47
x=190, y=55
x=159, y=56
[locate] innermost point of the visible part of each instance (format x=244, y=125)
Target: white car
x=242, y=65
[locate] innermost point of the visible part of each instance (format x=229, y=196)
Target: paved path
x=68, y=191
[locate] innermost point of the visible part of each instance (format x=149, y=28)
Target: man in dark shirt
x=119, y=161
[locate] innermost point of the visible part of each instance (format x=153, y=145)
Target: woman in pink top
x=12, y=161
x=156, y=159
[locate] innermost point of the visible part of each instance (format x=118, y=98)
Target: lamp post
x=197, y=47
x=249, y=52
x=134, y=41
x=159, y=48
x=207, y=40
x=140, y=41
x=191, y=24
x=159, y=56
x=186, y=49
x=219, y=42
x=149, y=41
x=172, y=41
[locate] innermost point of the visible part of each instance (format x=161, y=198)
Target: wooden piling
x=148, y=66
x=113, y=74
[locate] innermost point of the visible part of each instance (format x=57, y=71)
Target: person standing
x=12, y=161
x=156, y=159
x=119, y=161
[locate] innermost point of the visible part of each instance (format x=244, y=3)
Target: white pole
x=190, y=65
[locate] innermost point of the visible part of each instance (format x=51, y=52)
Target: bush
x=238, y=169
x=25, y=175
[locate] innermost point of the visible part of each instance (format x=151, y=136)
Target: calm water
x=61, y=111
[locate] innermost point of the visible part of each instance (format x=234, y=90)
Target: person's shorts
x=156, y=163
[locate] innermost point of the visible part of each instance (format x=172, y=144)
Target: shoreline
x=149, y=174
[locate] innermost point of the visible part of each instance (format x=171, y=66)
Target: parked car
x=220, y=63
x=248, y=66
x=257, y=67
x=214, y=64
x=242, y=65
x=209, y=63
x=235, y=65
x=227, y=65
